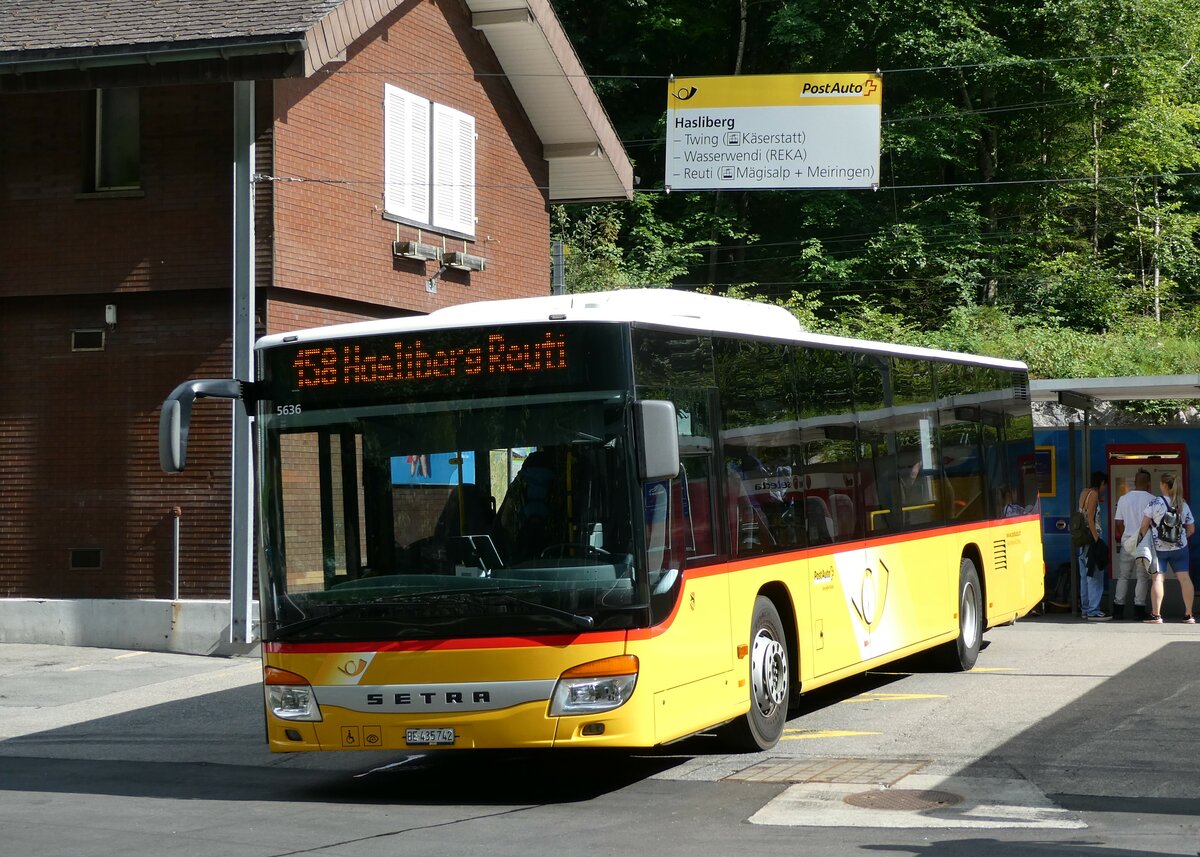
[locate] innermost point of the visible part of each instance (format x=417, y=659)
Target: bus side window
x=658, y=531
x=829, y=438
x=760, y=445
x=917, y=461
x=695, y=495
x=961, y=392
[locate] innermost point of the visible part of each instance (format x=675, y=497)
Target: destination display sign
x=769, y=132
x=434, y=363
x=411, y=358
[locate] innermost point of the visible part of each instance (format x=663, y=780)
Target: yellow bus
x=616, y=519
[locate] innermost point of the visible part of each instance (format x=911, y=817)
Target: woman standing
x=1091, y=580
x=1171, y=518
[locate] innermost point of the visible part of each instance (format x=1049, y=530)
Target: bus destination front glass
x=467, y=483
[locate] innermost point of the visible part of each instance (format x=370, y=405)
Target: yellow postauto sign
x=775, y=131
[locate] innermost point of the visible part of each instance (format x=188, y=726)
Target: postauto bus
x=616, y=519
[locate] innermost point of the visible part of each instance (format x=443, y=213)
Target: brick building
x=367, y=126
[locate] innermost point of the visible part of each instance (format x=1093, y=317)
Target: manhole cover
x=902, y=799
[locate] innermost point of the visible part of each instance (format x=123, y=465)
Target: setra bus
x=616, y=519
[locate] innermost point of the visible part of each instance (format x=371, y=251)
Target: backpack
x=1081, y=532
x=1170, y=528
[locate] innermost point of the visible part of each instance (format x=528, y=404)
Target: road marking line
x=806, y=734
x=130, y=655
x=993, y=669
x=893, y=697
x=389, y=767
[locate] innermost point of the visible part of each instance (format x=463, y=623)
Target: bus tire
x=770, y=674
x=960, y=655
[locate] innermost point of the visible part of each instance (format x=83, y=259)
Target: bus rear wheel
x=761, y=727
x=961, y=654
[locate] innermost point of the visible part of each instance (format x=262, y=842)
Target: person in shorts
x=1170, y=547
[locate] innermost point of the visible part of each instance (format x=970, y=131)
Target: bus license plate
x=426, y=737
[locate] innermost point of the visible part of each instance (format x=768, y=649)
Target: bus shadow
x=211, y=747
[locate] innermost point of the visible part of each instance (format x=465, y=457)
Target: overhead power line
x=1005, y=62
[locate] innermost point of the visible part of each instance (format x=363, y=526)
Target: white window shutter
x=453, y=170
x=406, y=154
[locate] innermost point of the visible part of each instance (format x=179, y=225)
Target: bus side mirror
x=658, y=440
x=176, y=416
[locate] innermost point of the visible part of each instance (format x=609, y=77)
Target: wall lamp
x=110, y=316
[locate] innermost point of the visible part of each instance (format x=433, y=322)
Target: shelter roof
x=1081, y=392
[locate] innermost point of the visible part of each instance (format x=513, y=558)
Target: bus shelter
x=1068, y=453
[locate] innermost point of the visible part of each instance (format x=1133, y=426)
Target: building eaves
x=587, y=160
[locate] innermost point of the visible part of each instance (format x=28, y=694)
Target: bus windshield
x=457, y=518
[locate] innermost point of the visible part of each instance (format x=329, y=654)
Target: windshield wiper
x=578, y=620
x=313, y=621
x=478, y=597
x=482, y=594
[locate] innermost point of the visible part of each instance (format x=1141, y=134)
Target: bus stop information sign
x=774, y=131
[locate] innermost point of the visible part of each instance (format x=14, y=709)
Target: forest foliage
x=1039, y=196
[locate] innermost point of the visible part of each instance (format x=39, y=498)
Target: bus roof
x=668, y=308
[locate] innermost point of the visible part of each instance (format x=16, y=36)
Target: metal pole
x=558, y=268
x=1072, y=505
x=242, y=476
x=176, y=514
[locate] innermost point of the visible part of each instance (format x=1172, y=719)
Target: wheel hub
x=768, y=672
x=970, y=623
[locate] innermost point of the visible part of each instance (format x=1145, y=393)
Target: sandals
x=1154, y=619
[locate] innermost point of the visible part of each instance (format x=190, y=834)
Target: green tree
x=1037, y=168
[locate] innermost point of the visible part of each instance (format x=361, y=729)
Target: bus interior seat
x=820, y=521
x=843, y=508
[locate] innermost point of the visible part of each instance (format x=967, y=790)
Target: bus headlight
x=596, y=686
x=290, y=696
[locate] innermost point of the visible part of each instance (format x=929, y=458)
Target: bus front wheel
x=761, y=727
x=962, y=653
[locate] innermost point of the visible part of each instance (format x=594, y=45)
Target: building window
x=114, y=135
x=87, y=340
x=86, y=559
x=429, y=163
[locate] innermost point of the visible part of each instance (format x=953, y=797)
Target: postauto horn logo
x=811, y=90
x=685, y=92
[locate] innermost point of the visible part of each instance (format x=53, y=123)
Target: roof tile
x=37, y=25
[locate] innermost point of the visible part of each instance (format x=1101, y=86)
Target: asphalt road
x=1068, y=738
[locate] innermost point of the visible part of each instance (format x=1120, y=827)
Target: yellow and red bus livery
x=618, y=519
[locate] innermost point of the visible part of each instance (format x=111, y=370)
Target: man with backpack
x=1171, y=519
